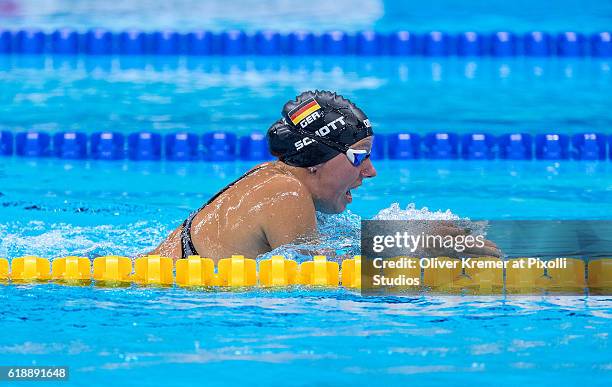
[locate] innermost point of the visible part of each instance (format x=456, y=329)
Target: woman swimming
x=323, y=143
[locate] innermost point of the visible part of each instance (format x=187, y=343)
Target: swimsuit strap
x=186, y=242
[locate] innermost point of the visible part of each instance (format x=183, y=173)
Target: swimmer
x=323, y=144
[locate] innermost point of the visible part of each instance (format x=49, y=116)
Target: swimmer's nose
x=368, y=169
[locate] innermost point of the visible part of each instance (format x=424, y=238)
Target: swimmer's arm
x=290, y=216
x=171, y=247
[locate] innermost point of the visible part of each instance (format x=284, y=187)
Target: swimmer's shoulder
x=281, y=177
x=285, y=207
x=264, y=166
x=277, y=182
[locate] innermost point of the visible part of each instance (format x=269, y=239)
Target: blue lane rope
x=299, y=43
x=224, y=146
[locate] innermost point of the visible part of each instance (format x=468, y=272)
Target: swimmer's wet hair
x=283, y=138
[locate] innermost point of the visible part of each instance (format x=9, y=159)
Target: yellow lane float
x=571, y=279
x=521, y=279
x=277, y=271
x=446, y=275
x=319, y=272
x=443, y=275
x=237, y=271
x=351, y=272
x=30, y=268
x=112, y=269
x=153, y=270
x=600, y=276
x=71, y=269
x=486, y=279
x=4, y=269
x=195, y=271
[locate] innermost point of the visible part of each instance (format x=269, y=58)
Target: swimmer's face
x=337, y=177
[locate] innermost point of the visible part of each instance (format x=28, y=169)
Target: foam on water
x=340, y=235
x=51, y=240
x=420, y=218
x=394, y=212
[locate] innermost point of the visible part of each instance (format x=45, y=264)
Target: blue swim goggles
x=357, y=156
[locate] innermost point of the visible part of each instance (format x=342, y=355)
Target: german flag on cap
x=304, y=110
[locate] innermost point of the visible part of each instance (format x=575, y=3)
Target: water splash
x=52, y=240
x=394, y=212
x=340, y=235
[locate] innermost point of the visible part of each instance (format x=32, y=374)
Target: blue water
x=53, y=208
x=245, y=95
x=348, y=15
x=150, y=336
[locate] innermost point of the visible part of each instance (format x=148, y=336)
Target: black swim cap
x=315, y=127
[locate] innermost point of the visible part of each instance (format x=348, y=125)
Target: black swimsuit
x=186, y=242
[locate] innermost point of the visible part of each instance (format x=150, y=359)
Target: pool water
x=243, y=95
x=53, y=207
x=347, y=15
x=148, y=337
x=172, y=336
